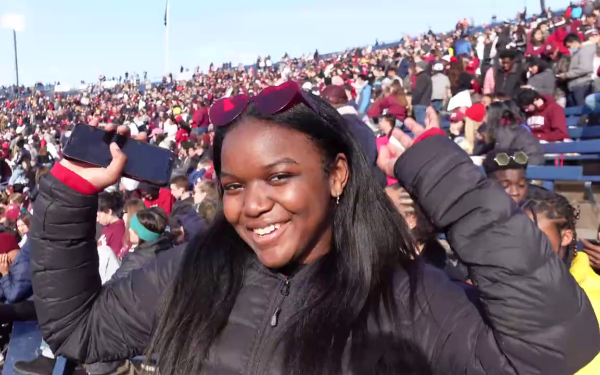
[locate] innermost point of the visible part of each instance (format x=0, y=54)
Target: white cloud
x=13, y=21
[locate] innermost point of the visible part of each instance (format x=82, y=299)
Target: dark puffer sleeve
x=80, y=319
x=531, y=316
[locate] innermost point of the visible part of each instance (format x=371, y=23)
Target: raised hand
x=104, y=177
x=388, y=155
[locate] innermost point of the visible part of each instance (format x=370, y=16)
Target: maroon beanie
x=335, y=94
x=8, y=242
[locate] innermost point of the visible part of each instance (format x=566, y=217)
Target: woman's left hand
x=389, y=154
x=5, y=263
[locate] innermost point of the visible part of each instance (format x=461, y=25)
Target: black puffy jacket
x=528, y=316
x=142, y=255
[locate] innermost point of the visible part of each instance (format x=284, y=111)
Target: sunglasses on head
x=271, y=100
x=503, y=159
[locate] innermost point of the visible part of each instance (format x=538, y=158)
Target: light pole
x=16, y=22
x=16, y=59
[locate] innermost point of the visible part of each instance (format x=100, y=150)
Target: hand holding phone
x=101, y=177
x=103, y=156
x=592, y=249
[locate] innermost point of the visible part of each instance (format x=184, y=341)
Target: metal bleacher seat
x=578, y=147
x=573, y=111
x=548, y=175
x=584, y=132
x=572, y=120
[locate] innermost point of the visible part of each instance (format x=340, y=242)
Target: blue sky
x=71, y=40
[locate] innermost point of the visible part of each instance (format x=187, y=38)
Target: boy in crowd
x=184, y=202
x=508, y=169
x=544, y=116
x=154, y=196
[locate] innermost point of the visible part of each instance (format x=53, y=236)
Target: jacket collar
x=347, y=110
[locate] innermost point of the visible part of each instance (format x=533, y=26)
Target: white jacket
x=108, y=263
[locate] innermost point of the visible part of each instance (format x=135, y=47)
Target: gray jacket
x=582, y=66
x=441, y=85
x=543, y=82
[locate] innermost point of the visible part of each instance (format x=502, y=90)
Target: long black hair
x=350, y=284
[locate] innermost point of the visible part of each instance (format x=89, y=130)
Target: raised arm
x=530, y=316
x=80, y=319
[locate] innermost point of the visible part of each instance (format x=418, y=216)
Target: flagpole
x=167, y=24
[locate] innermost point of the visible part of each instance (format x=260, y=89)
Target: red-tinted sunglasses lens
x=226, y=110
x=275, y=98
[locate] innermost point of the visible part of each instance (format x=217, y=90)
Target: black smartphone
x=145, y=162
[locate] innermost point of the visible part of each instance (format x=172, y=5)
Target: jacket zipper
x=284, y=291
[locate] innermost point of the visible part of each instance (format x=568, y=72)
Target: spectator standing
x=509, y=76
x=200, y=118
x=463, y=46
x=544, y=116
x=395, y=103
x=364, y=90
x=422, y=92
x=440, y=87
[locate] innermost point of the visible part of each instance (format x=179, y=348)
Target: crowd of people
x=303, y=236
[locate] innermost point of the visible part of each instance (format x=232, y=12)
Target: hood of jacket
x=347, y=110
x=154, y=247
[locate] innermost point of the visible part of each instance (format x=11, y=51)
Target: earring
x=337, y=199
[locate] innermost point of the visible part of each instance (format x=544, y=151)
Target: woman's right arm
x=533, y=318
x=377, y=108
x=80, y=319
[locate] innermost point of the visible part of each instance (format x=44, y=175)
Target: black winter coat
x=142, y=255
x=509, y=84
x=421, y=94
x=528, y=316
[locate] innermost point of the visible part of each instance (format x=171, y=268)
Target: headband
x=142, y=232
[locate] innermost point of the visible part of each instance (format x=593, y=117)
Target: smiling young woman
x=308, y=268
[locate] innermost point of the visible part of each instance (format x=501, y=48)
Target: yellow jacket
x=589, y=281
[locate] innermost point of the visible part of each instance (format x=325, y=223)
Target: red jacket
x=389, y=103
x=200, y=118
x=548, y=123
x=181, y=136
x=165, y=201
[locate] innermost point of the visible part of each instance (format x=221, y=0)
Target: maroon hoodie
x=548, y=123
x=200, y=118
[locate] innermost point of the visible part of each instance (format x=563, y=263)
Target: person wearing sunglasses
x=308, y=268
x=508, y=168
